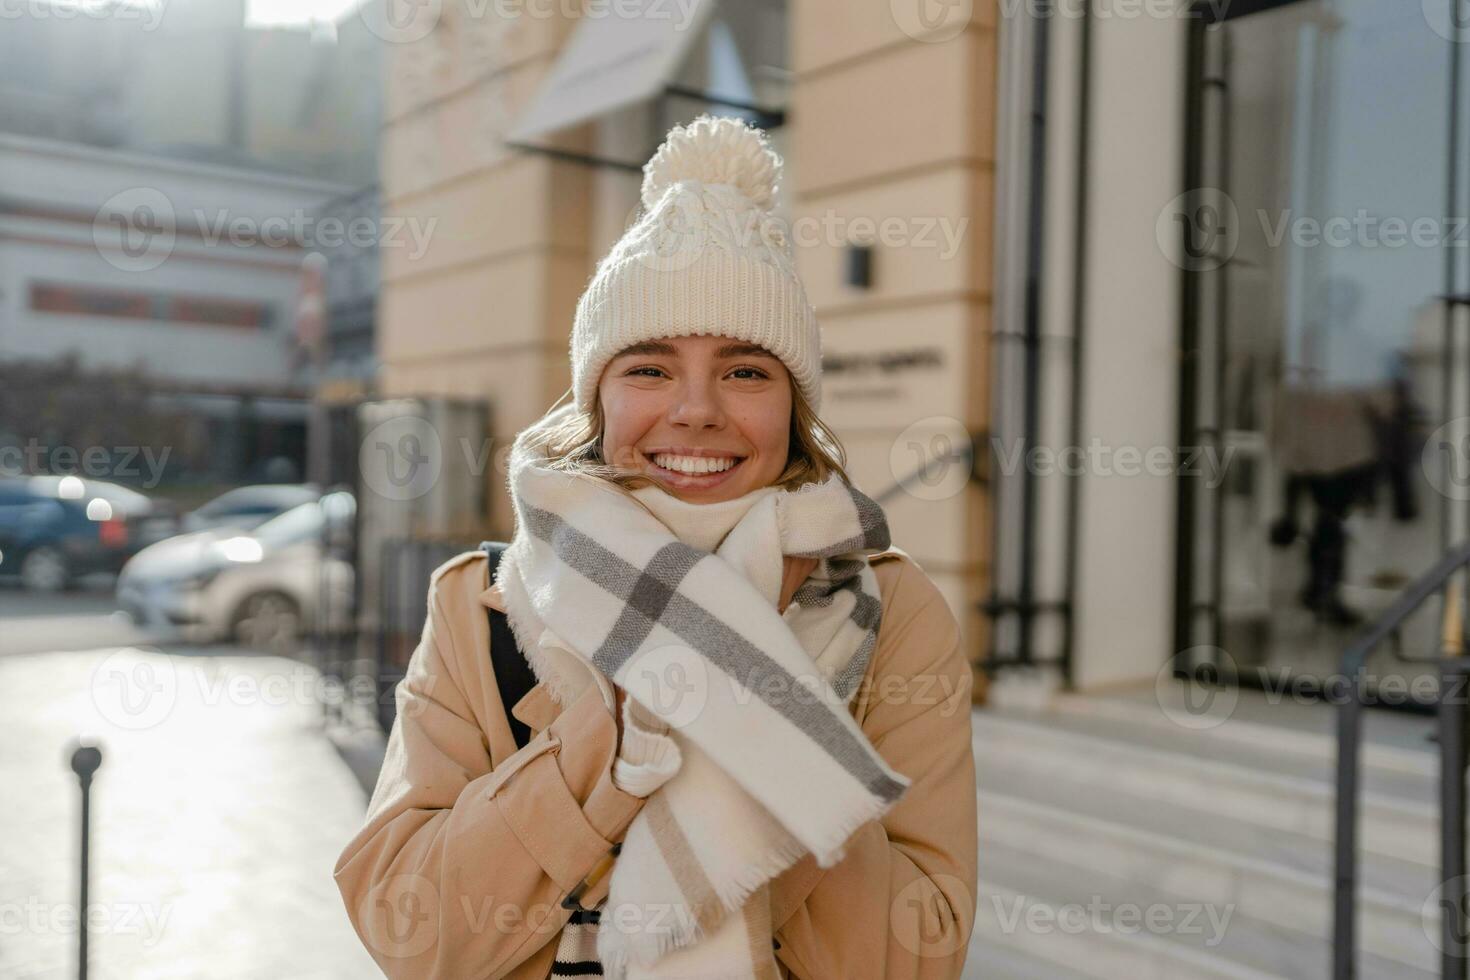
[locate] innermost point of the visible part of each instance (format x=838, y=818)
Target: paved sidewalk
x=218, y=813
x=82, y=619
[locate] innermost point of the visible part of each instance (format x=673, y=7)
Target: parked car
x=54, y=529
x=263, y=589
x=246, y=508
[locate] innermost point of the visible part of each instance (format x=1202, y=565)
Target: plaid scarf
x=597, y=588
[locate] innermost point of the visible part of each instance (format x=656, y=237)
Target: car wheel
x=44, y=570
x=268, y=621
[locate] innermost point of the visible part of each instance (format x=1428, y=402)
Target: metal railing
x=403, y=593
x=1451, y=721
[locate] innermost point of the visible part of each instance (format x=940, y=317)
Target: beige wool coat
x=469, y=844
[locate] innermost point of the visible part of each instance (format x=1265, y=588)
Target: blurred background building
x=166, y=172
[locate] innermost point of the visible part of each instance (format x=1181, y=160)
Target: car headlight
x=242, y=549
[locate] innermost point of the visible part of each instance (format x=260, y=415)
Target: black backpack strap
x=513, y=675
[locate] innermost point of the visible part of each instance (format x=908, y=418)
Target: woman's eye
x=752, y=373
x=640, y=370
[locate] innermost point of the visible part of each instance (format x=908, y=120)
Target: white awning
x=613, y=61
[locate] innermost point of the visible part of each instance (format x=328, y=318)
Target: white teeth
x=694, y=465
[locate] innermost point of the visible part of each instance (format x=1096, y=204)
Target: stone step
x=1397, y=814
x=1105, y=926
x=1394, y=742
x=1205, y=857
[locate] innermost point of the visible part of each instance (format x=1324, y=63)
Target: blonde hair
x=575, y=445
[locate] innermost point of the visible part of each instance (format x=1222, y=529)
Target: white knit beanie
x=706, y=257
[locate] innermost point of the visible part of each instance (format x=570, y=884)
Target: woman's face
x=681, y=410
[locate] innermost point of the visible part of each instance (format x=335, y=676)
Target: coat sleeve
x=901, y=903
x=460, y=868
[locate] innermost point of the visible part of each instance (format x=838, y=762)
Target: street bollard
x=86, y=758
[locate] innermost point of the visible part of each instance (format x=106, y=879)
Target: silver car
x=248, y=507
x=263, y=589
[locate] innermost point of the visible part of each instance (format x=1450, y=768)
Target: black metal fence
x=1452, y=735
x=403, y=591
x=362, y=653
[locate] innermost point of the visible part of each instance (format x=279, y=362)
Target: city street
x=82, y=619
x=218, y=812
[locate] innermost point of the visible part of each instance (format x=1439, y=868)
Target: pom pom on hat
x=715, y=150
x=702, y=262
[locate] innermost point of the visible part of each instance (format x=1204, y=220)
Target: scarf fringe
x=745, y=885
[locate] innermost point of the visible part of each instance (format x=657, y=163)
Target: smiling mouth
x=693, y=469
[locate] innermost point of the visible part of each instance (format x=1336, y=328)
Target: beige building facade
x=888, y=139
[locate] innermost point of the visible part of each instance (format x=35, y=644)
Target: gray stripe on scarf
x=872, y=533
x=651, y=596
x=842, y=575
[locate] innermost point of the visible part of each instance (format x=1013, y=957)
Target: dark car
x=54, y=529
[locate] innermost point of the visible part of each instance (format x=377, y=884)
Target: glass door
x=1321, y=352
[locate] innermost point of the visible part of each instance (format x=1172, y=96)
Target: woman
x=751, y=751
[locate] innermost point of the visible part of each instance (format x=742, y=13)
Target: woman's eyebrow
x=744, y=350
x=665, y=349
x=646, y=347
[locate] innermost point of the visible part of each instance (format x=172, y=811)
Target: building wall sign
x=878, y=374
x=159, y=307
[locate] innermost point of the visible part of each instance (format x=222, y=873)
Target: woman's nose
x=697, y=404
